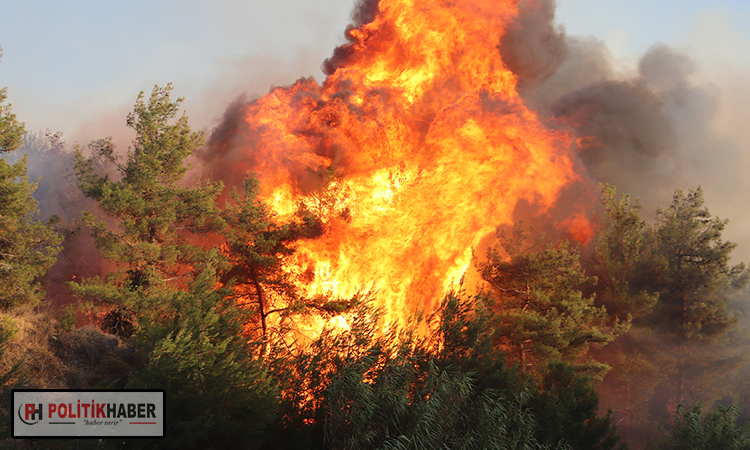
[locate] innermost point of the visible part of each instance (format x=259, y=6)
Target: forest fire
x=413, y=149
x=281, y=309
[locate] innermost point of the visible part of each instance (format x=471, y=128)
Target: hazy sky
x=74, y=66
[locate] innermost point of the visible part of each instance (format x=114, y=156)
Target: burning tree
x=255, y=247
x=365, y=389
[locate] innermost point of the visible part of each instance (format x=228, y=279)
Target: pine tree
x=187, y=328
x=28, y=247
x=674, y=277
x=364, y=390
x=714, y=430
x=624, y=258
x=219, y=395
x=693, y=276
x=11, y=130
x=161, y=227
x=542, y=313
x=256, y=243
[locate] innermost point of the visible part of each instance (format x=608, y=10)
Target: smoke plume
x=648, y=134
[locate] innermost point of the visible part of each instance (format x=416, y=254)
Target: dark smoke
x=625, y=131
x=230, y=153
x=587, y=62
x=534, y=47
x=364, y=12
x=648, y=134
x=218, y=160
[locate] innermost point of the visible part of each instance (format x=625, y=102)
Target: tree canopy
x=11, y=130
x=674, y=274
x=155, y=241
x=28, y=247
x=542, y=313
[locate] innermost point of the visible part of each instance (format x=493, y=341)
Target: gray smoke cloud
x=534, y=47
x=648, y=133
x=49, y=163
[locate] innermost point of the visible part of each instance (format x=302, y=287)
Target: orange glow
x=580, y=228
x=414, y=148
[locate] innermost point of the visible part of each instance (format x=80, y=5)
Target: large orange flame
x=414, y=148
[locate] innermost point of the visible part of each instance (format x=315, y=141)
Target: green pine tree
x=219, y=395
x=541, y=311
x=188, y=329
x=159, y=240
x=693, y=275
x=256, y=243
x=715, y=430
x=28, y=247
x=673, y=276
x=624, y=258
x=11, y=130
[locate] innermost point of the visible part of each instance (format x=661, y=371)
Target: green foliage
x=566, y=409
x=674, y=277
x=68, y=318
x=624, y=258
x=716, y=430
x=674, y=274
x=8, y=329
x=542, y=313
x=187, y=329
x=28, y=247
x=694, y=275
x=563, y=401
x=157, y=220
x=11, y=130
x=219, y=396
x=256, y=244
x=366, y=390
